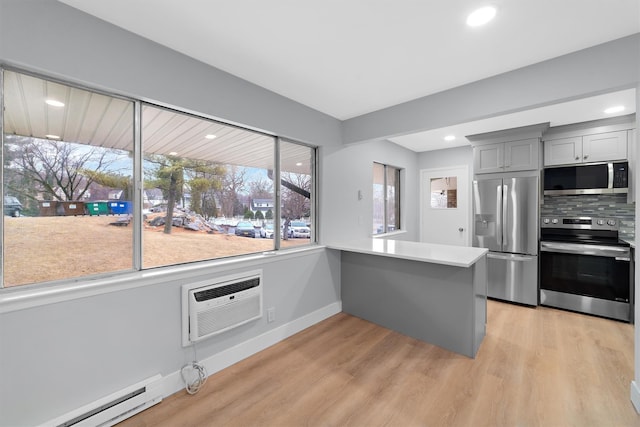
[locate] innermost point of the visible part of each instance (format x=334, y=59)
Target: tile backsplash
x=600, y=205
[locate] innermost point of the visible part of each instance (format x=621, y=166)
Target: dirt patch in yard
x=38, y=249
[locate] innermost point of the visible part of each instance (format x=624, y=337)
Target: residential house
x=263, y=205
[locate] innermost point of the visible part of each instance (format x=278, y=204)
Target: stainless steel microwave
x=598, y=178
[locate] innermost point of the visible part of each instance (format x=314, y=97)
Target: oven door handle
x=510, y=257
x=621, y=253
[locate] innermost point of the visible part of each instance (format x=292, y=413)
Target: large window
x=206, y=189
x=386, y=198
x=67, y=155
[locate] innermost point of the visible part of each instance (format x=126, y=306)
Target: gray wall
x=349, y=169
x=457, y=156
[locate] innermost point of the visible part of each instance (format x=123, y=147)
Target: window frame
x=313, y=206
x=397, y=172
x=138, y=268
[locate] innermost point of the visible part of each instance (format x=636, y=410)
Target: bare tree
x=261, y=189
x=57, y=168
x=233, y=183
x=296, y=199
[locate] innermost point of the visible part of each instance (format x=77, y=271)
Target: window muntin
x=386, y=198
x=110, y=231
x=67, y=155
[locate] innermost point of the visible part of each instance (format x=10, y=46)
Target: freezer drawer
x=513, y=277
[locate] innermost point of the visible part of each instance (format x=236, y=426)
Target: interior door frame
x=469, y=209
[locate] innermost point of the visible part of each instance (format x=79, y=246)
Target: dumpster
x=119, y=207
x=47, y=207
x=97, y=208
x=70, y=208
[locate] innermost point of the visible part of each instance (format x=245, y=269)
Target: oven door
x=593, y=279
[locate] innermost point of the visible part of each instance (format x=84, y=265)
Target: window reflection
x=444, y=192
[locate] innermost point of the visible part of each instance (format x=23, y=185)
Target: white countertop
x=458, y=256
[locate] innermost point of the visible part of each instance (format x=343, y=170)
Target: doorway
x=445, y=207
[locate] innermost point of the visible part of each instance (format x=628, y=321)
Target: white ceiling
x=348, y=58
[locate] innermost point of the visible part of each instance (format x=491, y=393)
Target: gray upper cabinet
x=604, y=146
x=586, y=149
x=563, y=151
x=508, y=156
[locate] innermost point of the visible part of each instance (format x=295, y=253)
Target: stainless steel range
x=585, y=267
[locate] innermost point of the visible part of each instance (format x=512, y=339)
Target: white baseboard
x=635, y=395
x=173, y=382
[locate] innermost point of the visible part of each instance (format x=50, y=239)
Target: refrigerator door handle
x=503, y=220
x=499, y=215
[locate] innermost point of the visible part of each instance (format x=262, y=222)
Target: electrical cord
x=195, y=379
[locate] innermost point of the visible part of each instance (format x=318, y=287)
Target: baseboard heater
x=114, y=408
x=213, y=307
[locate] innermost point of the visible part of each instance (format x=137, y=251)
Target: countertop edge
x=481, y=252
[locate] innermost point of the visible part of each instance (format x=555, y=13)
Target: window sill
x=387, y=235
x=29, y=296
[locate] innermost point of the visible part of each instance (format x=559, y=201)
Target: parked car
x=267, y=231
x=245, y=228
x=299, y=229
x=12, y=206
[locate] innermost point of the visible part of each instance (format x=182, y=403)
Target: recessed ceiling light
x=481, y=16
x=299, y=164
x=173, y=153
x=52, y=136
x=54, y=103
x=616, y=109
x=449, y=137
x=210, y=136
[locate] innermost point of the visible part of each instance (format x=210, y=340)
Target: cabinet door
x=521, y=155
x=604, y=147
x=563, y=151
x=488, y=158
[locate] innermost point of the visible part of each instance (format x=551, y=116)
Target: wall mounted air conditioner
x=212, y=307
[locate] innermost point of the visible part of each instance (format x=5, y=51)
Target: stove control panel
x=580, y=223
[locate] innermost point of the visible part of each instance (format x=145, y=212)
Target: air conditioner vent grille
x=223, y=317
x=211, y=308
x=221, y=291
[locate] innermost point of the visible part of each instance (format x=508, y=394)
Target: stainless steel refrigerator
x=505, y=213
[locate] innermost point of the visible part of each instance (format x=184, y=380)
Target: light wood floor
x=535, y=367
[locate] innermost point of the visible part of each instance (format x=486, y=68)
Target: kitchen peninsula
x=435, y=293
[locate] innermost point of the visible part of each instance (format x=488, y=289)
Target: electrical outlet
x=271, y=314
